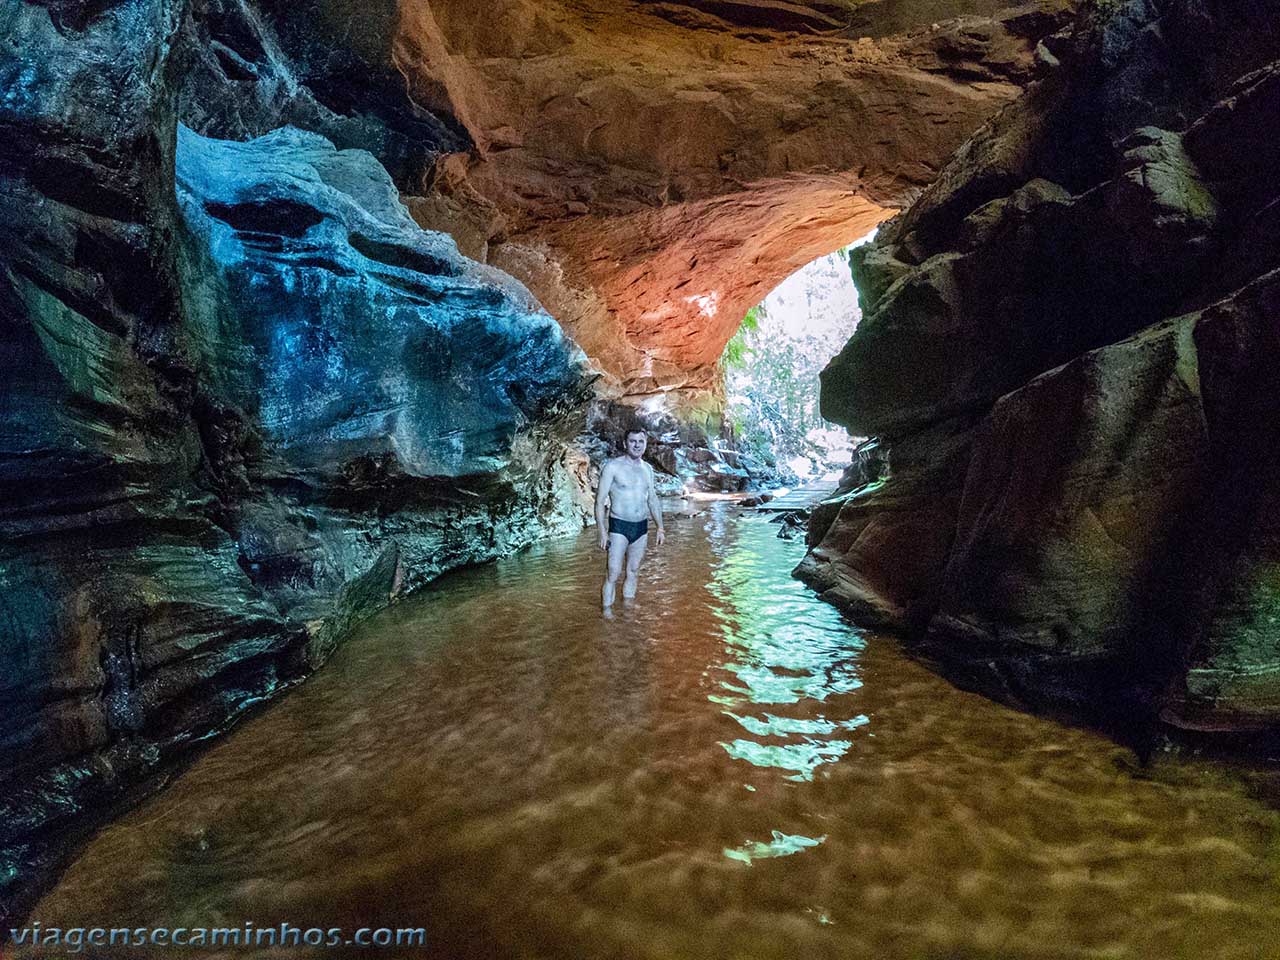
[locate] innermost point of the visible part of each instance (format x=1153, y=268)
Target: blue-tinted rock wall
x=246, y=399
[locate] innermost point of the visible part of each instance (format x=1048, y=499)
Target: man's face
x=636, y=443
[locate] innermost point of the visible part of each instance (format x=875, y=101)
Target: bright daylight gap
x=772, y=366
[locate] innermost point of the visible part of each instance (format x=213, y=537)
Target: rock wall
x=247, y=399
x=688, y=453
x=1068, y=355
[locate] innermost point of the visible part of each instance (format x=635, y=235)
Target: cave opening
x=773, y=362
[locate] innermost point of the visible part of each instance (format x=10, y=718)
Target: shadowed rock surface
x=1062, y=355
x=246, y=68
x=249, y=398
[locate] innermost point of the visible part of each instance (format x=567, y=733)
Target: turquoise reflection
x=802, y=757
x=772, y=726
x=762, y=684
x=784, y=653
x=782, y=845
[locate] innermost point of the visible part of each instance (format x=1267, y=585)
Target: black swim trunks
x=633, y=530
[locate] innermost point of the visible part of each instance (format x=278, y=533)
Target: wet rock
x=723, y=478
x=691, y=452
x=883, y=554
x=791, y=524
x=792, y=516
x=869, y=463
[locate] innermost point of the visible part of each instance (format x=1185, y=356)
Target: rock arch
x=651, y=170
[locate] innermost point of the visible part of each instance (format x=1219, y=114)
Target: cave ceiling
x=652, y=169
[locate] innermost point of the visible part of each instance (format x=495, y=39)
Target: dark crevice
x=277, y=216
x=83, y=188
x=406, y=258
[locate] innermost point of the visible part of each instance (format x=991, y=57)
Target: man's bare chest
x=629, y=479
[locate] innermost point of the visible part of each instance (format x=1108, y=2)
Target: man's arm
x=655, y=507
x=602, y=503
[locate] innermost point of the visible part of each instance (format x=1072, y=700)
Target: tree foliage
x=736, y=350
x=771, y=374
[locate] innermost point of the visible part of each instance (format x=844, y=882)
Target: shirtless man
x=625, y=501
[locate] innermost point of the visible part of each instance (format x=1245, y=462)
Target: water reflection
x=780, y=650
x=725, y=770
x=781, y=845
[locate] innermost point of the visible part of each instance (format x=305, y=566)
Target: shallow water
x=727, y=769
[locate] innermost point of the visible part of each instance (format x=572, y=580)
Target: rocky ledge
x=1068, y=358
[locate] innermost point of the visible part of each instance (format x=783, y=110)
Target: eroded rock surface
x=653, y=169
x=247, y=400
x=1062, y=353
x=687, y=453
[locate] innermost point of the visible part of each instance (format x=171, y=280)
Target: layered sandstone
x=247, y=400
x=651, y=170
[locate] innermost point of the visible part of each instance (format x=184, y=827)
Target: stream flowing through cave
x=727, y=769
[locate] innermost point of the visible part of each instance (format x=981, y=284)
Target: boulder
x=1075, y=500
x=881, y=556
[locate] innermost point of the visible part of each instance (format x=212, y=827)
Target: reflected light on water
x=726, y=770
x=781, y=845
x=780, y=649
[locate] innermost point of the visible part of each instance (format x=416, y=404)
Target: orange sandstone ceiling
x=652, y=169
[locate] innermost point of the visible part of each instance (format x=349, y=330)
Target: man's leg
x=613, y=568
x=635, y=553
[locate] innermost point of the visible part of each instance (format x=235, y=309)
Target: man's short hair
x=627, y=436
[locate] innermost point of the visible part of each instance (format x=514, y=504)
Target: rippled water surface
x=727, y=769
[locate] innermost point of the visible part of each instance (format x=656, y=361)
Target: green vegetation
x=736, y=350
x=771, y=380
x=772, y=364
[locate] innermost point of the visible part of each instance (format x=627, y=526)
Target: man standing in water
x=625, y=501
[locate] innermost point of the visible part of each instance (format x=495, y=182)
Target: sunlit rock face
x=246, y=401
x=1064, y=354
x=652, y=169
